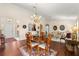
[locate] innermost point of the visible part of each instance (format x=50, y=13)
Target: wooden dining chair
x=44, y=44
x=48, y=44
x=62, y=36
x=42, y=34
x=31, y=44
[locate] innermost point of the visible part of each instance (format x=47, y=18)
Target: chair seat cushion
x=42, y=45
x=34, y=44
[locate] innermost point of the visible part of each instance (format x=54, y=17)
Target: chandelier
x=36, y=17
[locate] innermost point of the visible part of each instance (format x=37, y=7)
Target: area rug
x=24, y=52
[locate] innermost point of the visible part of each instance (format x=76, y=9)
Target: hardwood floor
x=11, y=48
x=10, y=40
x=59, y=47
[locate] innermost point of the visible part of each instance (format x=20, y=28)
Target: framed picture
x=24, y=26
x=54, y=27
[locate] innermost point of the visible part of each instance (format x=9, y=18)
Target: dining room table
x=74, y=44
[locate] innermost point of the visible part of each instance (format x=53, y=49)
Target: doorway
x=9, y=31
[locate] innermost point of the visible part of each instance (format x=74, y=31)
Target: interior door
x=8, y=29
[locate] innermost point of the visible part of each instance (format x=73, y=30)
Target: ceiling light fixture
x=35, y=16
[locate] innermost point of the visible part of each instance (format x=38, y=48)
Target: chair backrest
x=49, y=39
x=29, y=37
x=49, y=36
x=63, y=35
x=42, y=34
x=68, y=35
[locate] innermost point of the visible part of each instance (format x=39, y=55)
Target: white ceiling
x=53, y=9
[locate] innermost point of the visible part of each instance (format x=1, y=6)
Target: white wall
x=67, y=22
x=16, y=13
x=23, y=15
